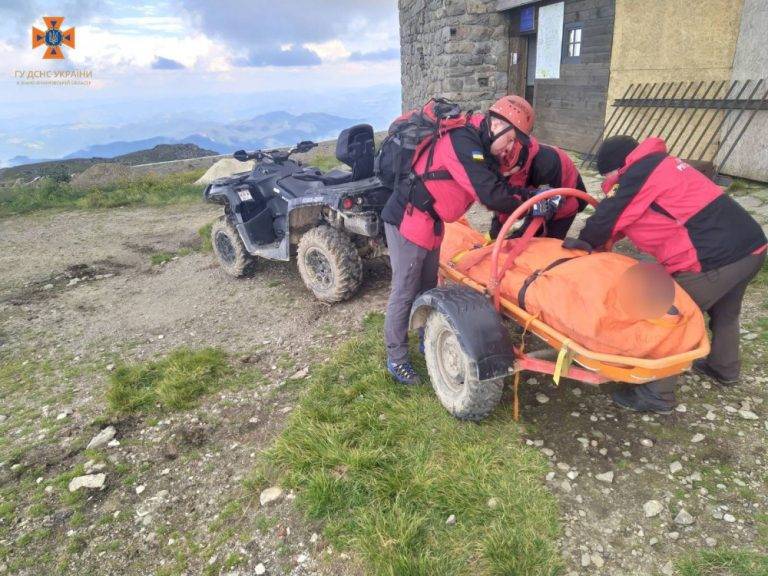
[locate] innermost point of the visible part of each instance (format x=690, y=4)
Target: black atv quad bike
x=333, y=217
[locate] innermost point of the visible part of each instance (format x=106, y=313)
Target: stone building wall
x=454, y=48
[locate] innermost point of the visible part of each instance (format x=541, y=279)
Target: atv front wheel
x=230, y=251
x=455, y=383
x=329, y=264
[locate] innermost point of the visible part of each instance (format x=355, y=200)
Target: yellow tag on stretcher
x=564, y=359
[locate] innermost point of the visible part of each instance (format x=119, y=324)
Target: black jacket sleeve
x=546, y=169
x=598, y=228
x=489, y=186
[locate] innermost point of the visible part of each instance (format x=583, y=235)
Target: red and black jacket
x=545, y=166
x=673, y=212
x=469, y=175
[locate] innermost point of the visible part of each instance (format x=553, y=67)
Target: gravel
x=102, y=438
x=652, y=508
x=270, y=495
x=605, y=477
x=684, y=518
x=89, y=481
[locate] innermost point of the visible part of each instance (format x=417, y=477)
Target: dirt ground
x=78, y=293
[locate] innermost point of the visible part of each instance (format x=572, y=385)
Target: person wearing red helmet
x=532, y=167
x=455, y=171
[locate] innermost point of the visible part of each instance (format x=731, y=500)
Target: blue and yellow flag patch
x=478, y=156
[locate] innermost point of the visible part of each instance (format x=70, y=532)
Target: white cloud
x=330, y=51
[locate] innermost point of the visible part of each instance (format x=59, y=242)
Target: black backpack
x=412, y=134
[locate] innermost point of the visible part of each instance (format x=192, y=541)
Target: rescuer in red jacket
x=531, y=167
x=460, y=170
x=703, y=238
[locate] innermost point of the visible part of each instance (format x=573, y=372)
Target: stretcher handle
x=522, y=210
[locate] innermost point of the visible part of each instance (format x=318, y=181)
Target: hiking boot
x=403, y=373
x=701, y=367
x=630, y=399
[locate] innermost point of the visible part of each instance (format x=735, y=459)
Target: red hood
x=648, y=146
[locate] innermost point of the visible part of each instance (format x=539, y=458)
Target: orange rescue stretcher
x=495, y=271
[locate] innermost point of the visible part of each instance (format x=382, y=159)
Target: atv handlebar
x=277, y=156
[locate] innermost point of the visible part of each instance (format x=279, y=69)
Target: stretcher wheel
x=455, y=383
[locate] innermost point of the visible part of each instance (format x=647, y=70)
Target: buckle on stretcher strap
x=564, y=360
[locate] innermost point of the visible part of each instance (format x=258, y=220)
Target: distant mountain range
x=69, y=166
x=270, y=130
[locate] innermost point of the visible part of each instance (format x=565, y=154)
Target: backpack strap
x=418, y=193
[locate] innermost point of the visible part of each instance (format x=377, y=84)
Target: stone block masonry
x=457, y=49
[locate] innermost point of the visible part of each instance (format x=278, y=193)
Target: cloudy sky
x=142, y=51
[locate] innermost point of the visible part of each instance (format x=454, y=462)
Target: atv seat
x=355, y=148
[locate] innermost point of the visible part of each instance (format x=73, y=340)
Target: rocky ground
x=79, y=294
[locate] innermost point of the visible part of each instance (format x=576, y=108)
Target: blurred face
x=504, y=143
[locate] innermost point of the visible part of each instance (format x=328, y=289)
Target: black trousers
x=719, y=293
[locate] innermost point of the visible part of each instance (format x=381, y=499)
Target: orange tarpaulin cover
x=579, y=297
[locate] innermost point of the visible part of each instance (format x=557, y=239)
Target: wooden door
x=518, y=58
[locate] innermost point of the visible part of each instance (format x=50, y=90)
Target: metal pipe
x=673, y=111
x=632, y=110
x=714, y=116
x=605, y=128
x=698, y=122
x=680, y=117
x=661, y=109
x=641, y=117
x=722, y=123
x=691, y=116
x=664, y=110
x=741, y=133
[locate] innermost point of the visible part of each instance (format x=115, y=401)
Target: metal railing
x=700, y=121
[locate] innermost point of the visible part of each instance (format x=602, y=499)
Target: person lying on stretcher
x=531, y=168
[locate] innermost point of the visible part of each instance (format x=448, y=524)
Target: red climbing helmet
x=515, y=110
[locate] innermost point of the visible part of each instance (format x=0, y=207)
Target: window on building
x=572, y=43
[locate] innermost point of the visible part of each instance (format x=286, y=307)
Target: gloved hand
x=546, y=208
x=577, y=244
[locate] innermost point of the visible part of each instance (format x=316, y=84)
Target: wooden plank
x=517, y=71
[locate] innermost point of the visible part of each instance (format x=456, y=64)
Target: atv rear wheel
x=453, y=380
x=329, y=264
x=230, y=251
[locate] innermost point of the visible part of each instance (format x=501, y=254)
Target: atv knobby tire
x=329, y=264
x=457, y=388
x=230, y=251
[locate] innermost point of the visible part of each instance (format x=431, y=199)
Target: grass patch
x=172, y=383
x=741, y=185
x=325, y=162
x=51, y=193
x=159, y=258
x=723, y=562
x=384, y=466
x=204, y=232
